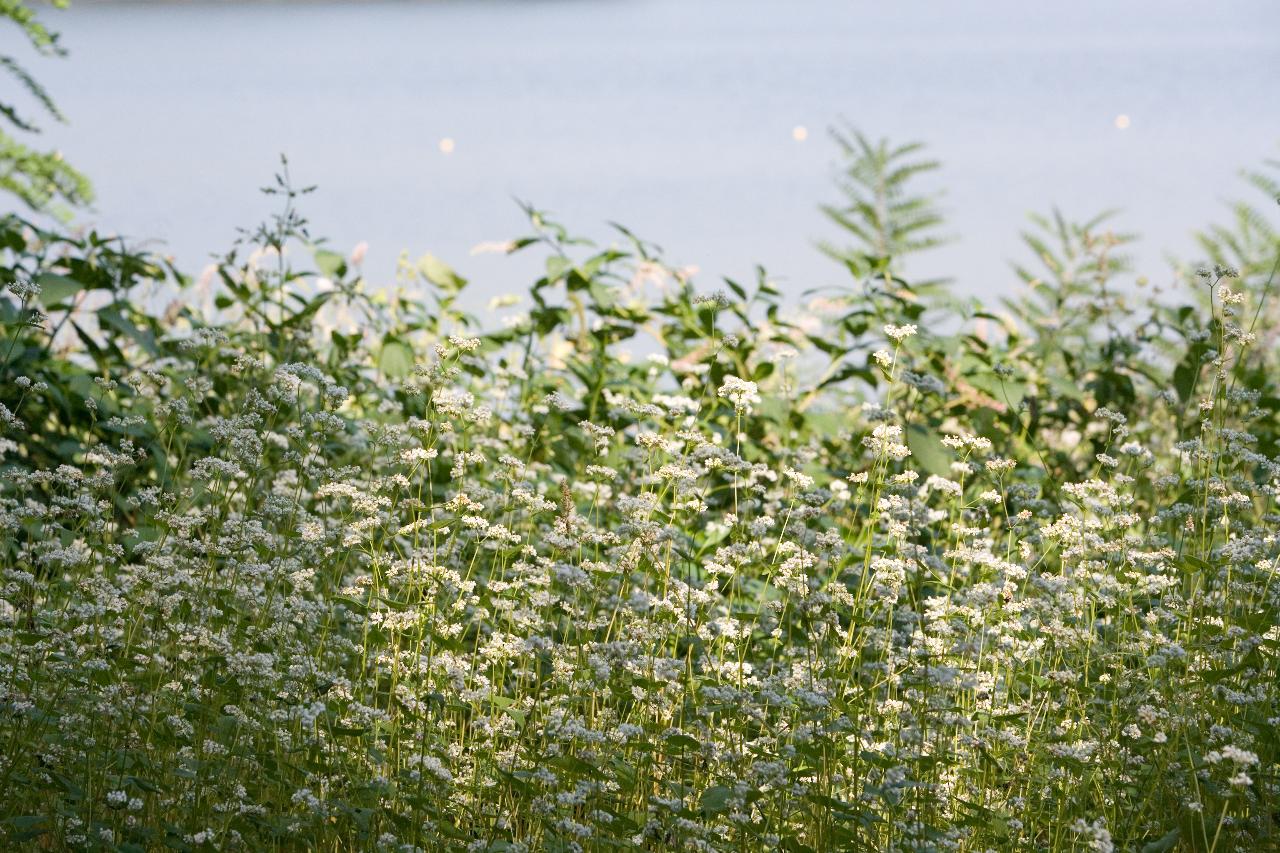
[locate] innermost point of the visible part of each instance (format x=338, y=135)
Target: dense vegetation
x=322, y=565
x=291, y=561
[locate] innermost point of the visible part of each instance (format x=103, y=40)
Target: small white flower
x=741, y=392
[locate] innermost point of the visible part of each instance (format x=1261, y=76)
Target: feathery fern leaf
x=882, y=210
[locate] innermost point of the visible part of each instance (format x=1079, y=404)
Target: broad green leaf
x=57, y=289
x=716, y=799
x=440, y=274
x=1164, y=843
x=330, y=263
x=395, y=359
x=927, y=451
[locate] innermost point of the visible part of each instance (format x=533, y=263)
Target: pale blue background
x=671, y=116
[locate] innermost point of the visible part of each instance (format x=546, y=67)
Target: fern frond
x=883, y=213
x=1251, y=241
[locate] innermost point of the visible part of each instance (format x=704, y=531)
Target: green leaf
x=682, y=743
x=111, y=317
x=1164, y=843
x=395, y=360
x=27, y=827
x=716, y=799
x=56, y=289
x=352, y=603
x=1186, y=374
x=557, y=266
x=330, y=263
x=441, y=274
x=928, y=451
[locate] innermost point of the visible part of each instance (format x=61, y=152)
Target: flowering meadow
x=291, y=560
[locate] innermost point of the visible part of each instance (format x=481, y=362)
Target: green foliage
x=41, y=179
x=883, y=213
x=70, y=294
x=294, y=562
x=1251, y=242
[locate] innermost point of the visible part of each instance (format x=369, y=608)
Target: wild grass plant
x=631, y=565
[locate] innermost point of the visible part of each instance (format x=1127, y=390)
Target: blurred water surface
x=674, y=117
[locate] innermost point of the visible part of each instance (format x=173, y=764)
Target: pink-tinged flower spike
x=358, y=253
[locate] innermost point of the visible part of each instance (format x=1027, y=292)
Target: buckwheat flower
x=452, y=401
x=465, y=344
x=24, y=288
x=899, y=333
x=741, y=392
x=304, y=797
x=1235, y=754
x=345, y=490
x=717, y=569
x=677, y=473
x=883, y=357
x=1095, y=834
x=677, y=404
x=561, y=401
x=600, y=435
x=884, y=441
x=117, y=799
x=966, y=441
x=416, y=455
x=651, y=441
x=802, y=481
x=934, y=483
x=888, y=576
x=717, y=300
